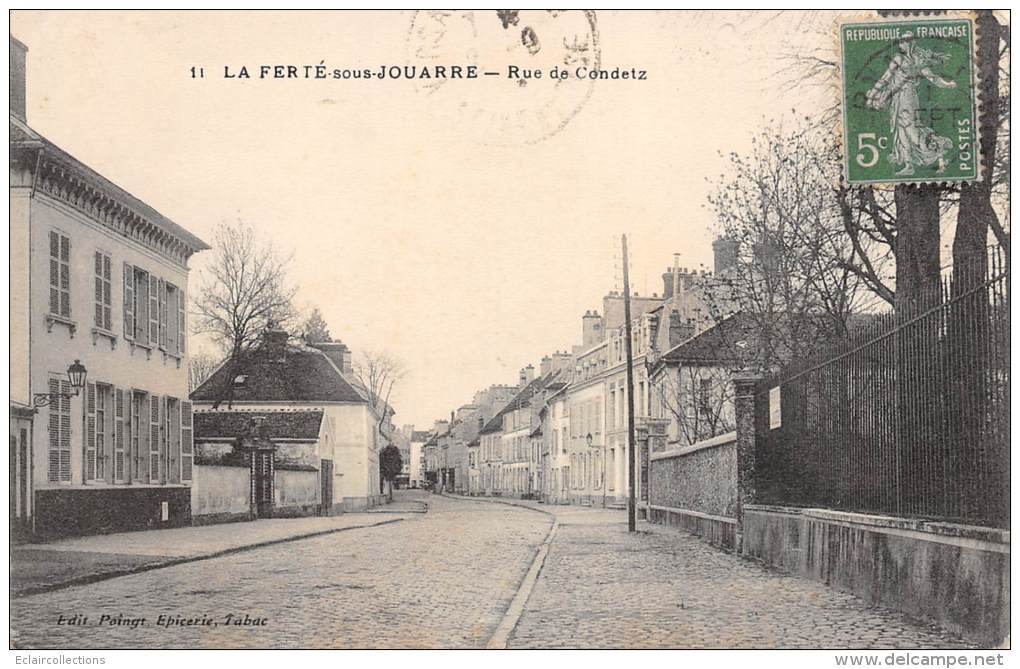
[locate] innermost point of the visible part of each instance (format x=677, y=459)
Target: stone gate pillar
x=745, y=386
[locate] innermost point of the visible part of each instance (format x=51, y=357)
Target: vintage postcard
x=510, y=329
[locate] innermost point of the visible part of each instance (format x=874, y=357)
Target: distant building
x=277, y=375
x=416, y=461
x=98, y=276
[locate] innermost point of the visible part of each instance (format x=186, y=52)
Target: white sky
x=467, y=261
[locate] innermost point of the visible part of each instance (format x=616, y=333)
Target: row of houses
x=560, y=434
x=103, y=433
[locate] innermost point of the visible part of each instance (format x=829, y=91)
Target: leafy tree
x=315, y=328
x=390, y=464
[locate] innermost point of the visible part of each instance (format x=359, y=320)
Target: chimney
x=18, y=58
x=679, y=332
x=274, y=343
x=591, y=329
x=562, y=360
x=338, y=353
x=725, y=250
x=545, y=367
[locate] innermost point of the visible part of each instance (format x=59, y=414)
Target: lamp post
x=76, y=375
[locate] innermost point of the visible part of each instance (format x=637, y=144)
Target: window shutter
x=54, y=433
x=98, y=279
x=118, y=438
x=161, y=293
x=65, y=432
x=154, y=402
x=90, y=432
x=129, y=301
x=153, y=310
x=107, y=293
x=187, y=444
x=65, y=277
x=182, y=333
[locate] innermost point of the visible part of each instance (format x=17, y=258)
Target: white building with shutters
x=98, y=276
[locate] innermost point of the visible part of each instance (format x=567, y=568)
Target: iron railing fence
x=909, y=416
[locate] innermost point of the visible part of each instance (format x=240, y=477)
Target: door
x=262, y=464
x=326, y=472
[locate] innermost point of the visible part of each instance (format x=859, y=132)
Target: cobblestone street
x=436, y=580
x=660, y=588
x=445, y=579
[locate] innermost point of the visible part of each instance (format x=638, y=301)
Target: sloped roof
x=23, y=136
x=520, y=400
x=717, y=344
x=271, y=424
x=296, y=376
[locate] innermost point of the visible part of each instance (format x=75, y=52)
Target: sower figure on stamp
x=914, y=144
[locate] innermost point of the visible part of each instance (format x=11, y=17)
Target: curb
x=138, y=569
x=508, y=623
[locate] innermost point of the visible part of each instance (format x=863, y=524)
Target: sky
x=424, y=224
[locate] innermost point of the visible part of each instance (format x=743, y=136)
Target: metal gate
x=262, y=483
x=326, y=472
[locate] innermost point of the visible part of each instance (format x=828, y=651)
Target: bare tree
x=315, y=329
x=244, y=292
x=794, y=274
x=377, y=373
x=907, y=222
x=200, y=367
x=698, y=400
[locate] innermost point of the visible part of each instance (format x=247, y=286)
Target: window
x=640, y=411
x=60, y=275
x=60, y=432
x=138, y=308
x=139, y=442
x=98, y=429
x=705, y=395
x=104, y=317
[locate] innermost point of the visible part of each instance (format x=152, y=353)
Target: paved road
x=436, y=580
x=446, y=578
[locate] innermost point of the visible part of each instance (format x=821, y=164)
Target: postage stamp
x=909, y=99
x=517, y=97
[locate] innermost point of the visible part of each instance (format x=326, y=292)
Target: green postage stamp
x=909, y=101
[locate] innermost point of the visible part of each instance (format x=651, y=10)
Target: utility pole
x=631, y=459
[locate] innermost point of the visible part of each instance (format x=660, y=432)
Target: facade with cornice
x=98, y=276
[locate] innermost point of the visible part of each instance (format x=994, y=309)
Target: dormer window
x=240, y=379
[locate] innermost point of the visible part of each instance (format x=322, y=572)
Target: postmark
x=909, y=101
x=507, y=103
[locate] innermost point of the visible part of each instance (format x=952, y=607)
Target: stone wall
x=701, y=478
x=297, y=492
x=695, y=489
x=954, y=575
x=220, y=494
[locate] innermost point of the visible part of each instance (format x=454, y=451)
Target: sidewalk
x=566, y=514
x=49, y=566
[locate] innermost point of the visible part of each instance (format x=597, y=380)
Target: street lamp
x=76, y=374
